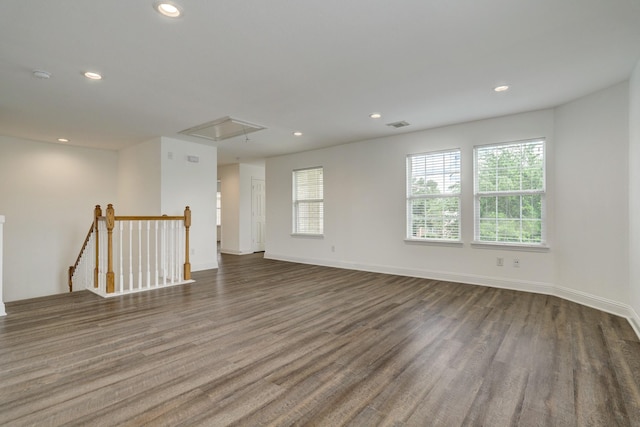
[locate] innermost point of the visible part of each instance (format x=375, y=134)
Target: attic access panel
x=224, y=128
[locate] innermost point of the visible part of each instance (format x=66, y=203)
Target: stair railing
x=146, y=252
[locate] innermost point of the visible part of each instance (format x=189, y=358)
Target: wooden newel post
x=70, y=276
x=187, y=224
x=110, y=273
x=97, y=213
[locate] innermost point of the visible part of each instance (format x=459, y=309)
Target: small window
x=433, y=196
x=219, y=209
x=308, y=201
x=510, y=193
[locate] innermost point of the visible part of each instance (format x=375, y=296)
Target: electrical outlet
x=333, y=248
x=500, y=261
x=516, y=262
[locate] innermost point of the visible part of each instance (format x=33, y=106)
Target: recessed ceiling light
x=375, y=115
x=41, y=74
x=93, y=76
x=63, y=140
x=501, y=88
x=168, y=8
x=297, y=134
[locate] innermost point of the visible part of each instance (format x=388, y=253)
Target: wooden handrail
x=147, y=218
x=72, y=269
x=109, y=219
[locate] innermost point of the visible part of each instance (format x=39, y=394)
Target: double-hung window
x=510, y=193
x=433, y=196
x=218, y=209
x=308, y=201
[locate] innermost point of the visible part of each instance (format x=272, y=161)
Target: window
x=510, y=193
x=433, y=196
x=308, y=201
x=219, y=209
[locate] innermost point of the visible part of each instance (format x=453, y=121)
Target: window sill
x=431, y=242
x=510, y=246
x=308, y=236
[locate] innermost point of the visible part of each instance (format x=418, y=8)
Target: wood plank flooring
x=260, y=342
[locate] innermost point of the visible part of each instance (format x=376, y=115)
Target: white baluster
x=139, y=254
x=180, y=251
x=120, y=255
x=156, y=265
x=130, y=224
x=164, y=253
x=102, y=279
x=172, y=245
x=148, y=255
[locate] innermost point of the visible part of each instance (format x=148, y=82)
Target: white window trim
x=532, y=247
x=409, y=197
x=434, y=242
x=295, y=232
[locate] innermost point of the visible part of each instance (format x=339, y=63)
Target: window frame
x=410, y=197
x=297, y=202
x=542, y=192
x=218, y=209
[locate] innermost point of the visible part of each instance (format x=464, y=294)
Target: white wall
x=592, y=218
x=229, y=176
x=236, y=227
x=47, y=194
x=365, y=207
x=139, y=173
x=194, y=184
x=634, y=194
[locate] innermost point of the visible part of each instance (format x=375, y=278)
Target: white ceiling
x=318, y=67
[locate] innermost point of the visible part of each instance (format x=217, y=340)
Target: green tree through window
x=433, y=196
x=510, y=192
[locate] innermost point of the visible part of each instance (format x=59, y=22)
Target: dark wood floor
x=262, y=342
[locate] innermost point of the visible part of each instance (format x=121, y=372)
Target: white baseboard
x=205, y=266
x=583, y=298
x=135, y=291
x=2, y=310
x=593, y=301
x=634, y=320
x=234, y=252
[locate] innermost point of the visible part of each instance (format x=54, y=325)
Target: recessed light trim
x=375, y=115
x=297, y=133
x=63, y=140
x=168, y=9
x=501, y=88
x=92, y=75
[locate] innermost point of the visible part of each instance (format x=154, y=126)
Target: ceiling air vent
x=399, y=124
x=224, y=128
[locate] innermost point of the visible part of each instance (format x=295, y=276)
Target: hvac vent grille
x=399, y=124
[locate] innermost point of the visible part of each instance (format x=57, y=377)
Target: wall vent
x=399, y=124
x=224, y=128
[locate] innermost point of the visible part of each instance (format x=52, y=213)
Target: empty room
x=420, y=213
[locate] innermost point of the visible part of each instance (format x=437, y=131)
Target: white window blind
x=510, y=192
x=308, y=201
x=433, y=196
x=218, y=209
